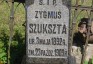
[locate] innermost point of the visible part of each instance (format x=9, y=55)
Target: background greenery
x=18, y=43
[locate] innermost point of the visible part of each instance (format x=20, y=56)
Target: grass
x=81, y=14
x=18, y=33
x=19, y=17
x=86, y=62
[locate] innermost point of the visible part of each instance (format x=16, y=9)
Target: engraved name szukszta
x=47, y=29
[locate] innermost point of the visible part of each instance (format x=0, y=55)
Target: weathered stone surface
x=76, y=55
x=46, y=61
x=89, y=52
x=47, y=31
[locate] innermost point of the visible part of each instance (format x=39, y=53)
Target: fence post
x=11, y=29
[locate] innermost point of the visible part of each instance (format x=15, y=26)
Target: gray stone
x=89, y=52
x=47, y=31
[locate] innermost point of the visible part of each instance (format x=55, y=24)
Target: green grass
x=86, y=62
x=81, y=14
x=19, y=30
x=18, y=33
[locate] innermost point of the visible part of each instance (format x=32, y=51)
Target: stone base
x=46, y=61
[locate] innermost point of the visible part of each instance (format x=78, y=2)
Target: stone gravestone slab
x=47, y=31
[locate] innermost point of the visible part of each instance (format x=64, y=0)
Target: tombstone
x=89, y=52
x=47, y=31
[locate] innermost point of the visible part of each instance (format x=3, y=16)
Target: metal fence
x=79, y=9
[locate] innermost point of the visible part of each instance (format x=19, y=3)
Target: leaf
x=4, y=59
x=2, y=54
x=1, y=44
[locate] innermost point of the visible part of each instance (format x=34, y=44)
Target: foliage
x=3, y=46
x=80, y=14
x=89, y=62
x=17, y=48
x=18, y=42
